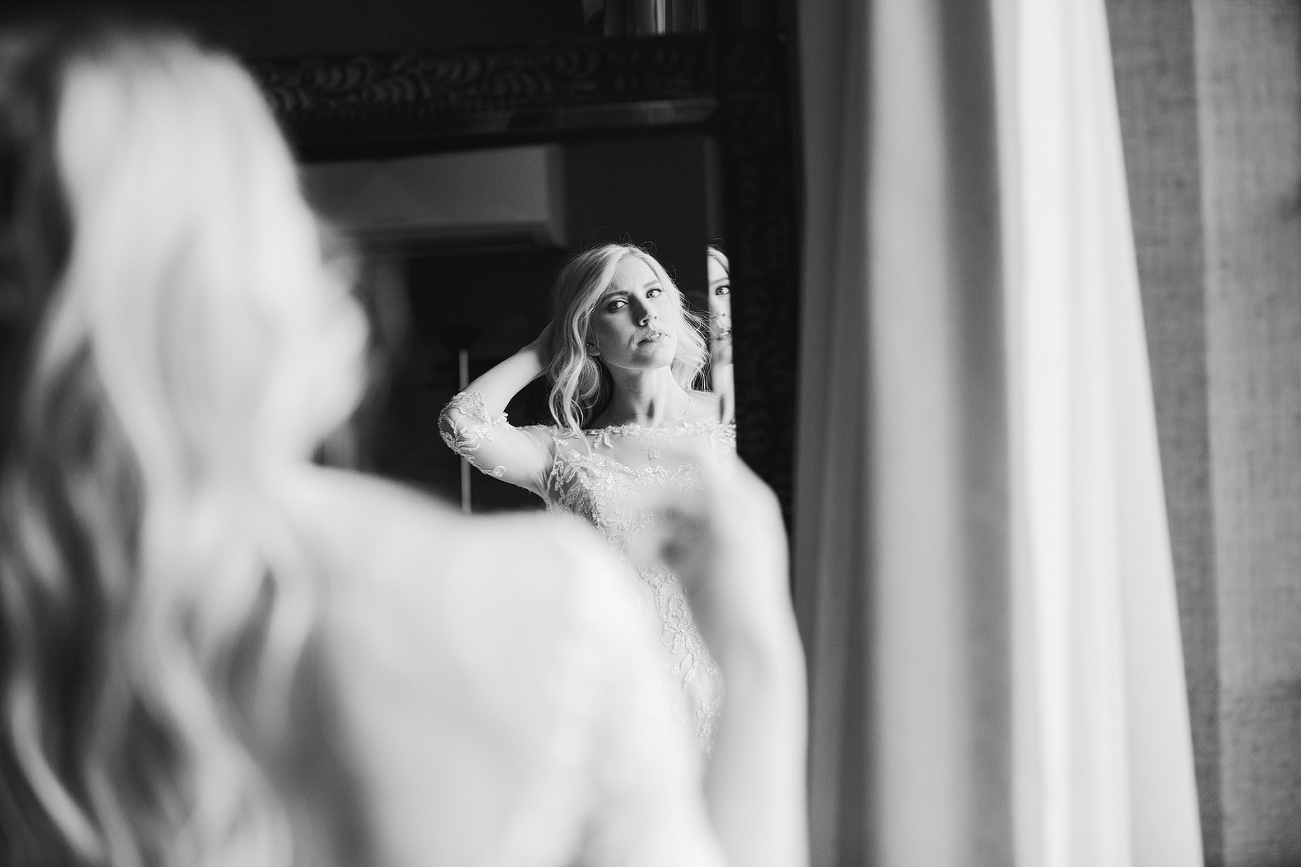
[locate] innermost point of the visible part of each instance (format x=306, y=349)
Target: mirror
x=462, y=250
x=721, y=379
x=726, y=89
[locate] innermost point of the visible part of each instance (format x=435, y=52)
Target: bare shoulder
x=455, y=642
x=431, y=597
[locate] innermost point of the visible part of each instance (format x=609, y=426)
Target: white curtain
x=982, y=562
x=1103, y=752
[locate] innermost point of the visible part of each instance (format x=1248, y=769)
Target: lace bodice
x=616, y=478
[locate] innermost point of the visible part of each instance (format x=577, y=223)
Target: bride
x=214, y=651
x=622, y=354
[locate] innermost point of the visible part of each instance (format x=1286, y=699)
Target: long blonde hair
x=580, y=386
x=192, y=352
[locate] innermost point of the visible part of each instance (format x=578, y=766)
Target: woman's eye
x=616, y=304
x=723, y=290
x=653, y=291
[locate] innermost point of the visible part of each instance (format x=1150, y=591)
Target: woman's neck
x=650, y=398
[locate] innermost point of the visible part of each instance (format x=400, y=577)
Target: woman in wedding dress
x=214, y=651
x=622, y=354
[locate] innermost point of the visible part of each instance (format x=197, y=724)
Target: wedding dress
x=500, y=698
x=614, y=478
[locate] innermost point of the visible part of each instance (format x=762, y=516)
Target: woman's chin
x=650, y=358
x=665, y=357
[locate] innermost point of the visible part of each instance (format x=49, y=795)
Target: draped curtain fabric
x=1103, y=749
x=982, y=564
x=1210, y=103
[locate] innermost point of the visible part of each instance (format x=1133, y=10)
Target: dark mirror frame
x=732, y=84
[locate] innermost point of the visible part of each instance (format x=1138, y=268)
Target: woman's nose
x=645, y=316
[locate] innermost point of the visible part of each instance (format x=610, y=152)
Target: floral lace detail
x=691, y=657
x=612, y=496
x=610, y=477
x=653, y=438
x=464, y=425
x=608, y=493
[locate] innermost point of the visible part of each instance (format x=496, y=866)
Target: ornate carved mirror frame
x=731, y=84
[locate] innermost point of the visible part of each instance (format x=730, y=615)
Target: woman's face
x=720, y=312
x=635, y=323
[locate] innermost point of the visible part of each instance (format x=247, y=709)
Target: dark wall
x=650, y=190
x=270, y=28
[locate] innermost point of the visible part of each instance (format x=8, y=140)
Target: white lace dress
x=613, y=478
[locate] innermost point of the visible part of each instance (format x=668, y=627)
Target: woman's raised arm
x=473, y=424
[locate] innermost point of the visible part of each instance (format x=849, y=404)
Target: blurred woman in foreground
x=216, y=652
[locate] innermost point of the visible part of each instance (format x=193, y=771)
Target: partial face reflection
x=634, y=325
x=720, y=312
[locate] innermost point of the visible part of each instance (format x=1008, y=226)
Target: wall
x=646, y=189
x=268, y=28
x=1210, y=99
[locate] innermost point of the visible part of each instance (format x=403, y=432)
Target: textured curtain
x=982, y=563
x=1210, y=103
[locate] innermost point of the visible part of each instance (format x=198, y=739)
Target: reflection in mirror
x=476, y=239
x=720, y=331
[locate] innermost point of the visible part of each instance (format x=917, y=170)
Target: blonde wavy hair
x=190, y=350
x=580, y=384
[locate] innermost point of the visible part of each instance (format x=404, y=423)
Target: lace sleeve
x=521, y=456
x=724, y=437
